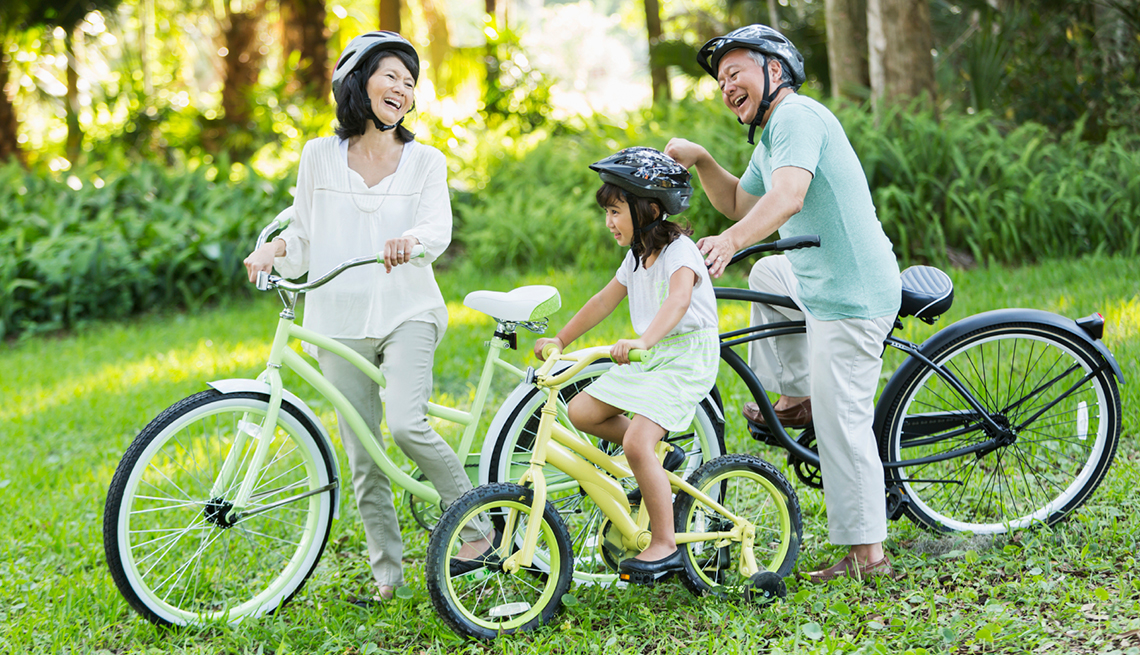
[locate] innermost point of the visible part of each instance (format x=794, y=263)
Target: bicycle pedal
x=645, y=579
x=761, y=433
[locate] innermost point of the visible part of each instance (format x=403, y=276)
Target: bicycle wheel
x=702, y=441
x=751, y=489
x=490, y=601
x=174, y=554
x=1047, y=387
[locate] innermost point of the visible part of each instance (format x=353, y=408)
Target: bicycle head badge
x=766, y=41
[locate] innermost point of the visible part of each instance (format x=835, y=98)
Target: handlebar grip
x=638, y=355
x=262, y=280
x=795, y=243
x=418, y=250
x=548, y=350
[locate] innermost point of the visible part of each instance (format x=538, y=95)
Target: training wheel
x=765, y=587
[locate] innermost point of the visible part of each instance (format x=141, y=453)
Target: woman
x=372, y=189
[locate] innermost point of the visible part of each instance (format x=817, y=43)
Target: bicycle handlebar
x=265, y=280
x=781, y=245
x=581, y=358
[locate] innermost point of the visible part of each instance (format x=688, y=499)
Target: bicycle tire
x=1014, y=369
x=751, y=488
x=171, y=551
x=587, y=524
x=490, y=601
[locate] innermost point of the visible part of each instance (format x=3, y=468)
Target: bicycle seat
x=529, y=303
x=927, y=293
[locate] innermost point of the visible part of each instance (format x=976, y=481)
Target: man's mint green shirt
x=854, y=273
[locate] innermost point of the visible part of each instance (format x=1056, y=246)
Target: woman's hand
x=398, y=251
x=685, y=152
x=540, y=345
x=262, y=259
x=620, y=350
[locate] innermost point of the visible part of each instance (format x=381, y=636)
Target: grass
x=70, y=404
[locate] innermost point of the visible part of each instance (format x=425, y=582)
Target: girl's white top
x=337, y=217
x=647, y=288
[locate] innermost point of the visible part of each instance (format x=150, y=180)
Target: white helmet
x=359, y=47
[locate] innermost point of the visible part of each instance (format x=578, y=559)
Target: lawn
x=71, y=403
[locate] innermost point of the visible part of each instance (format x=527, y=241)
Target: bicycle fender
x=236, y=385
x=971, y=323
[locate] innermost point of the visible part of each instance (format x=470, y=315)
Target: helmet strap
x=638, y=229
x=765, y=103
x=381, y=126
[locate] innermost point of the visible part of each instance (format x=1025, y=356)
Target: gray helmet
x=762, y=39
x=359, y=47
x=648, y=173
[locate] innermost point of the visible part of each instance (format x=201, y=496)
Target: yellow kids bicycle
x=221, y=507
x=737, y=522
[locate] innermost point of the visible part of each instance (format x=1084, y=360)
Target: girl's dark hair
x=353, y=111
x=655, y=238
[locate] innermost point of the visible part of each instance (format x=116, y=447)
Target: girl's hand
x=620, y=350
x=261, y=260
x=398, y=251
x=686, y=153
x=540, y=345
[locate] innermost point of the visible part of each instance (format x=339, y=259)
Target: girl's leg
x=407, y=354
x=640, y=441
x=372, y=488
x=598, y=418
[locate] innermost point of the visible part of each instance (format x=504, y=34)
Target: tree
x=847, y=48
x=66, y=14
x=900, y=46
x=390, y=14
x=658, y=74
x=11, y=14
x=305, y=33
x=241, y=61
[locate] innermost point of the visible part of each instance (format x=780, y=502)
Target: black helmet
x=648, y=173
x=361, y=46
x=766, y=41
x=762, y=39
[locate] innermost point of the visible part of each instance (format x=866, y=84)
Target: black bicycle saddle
x=926, y=293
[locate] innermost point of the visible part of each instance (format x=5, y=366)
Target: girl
x=673, y=311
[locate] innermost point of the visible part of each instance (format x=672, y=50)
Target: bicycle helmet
x=355, y=54
x=766, y=41
x=647, y=173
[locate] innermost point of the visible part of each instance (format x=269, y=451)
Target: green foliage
x=144, y=237
x=967, y=183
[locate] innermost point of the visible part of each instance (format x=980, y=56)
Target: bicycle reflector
x=1093, y=325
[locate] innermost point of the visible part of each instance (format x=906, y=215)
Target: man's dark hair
x=353, y=110
x=646, y=210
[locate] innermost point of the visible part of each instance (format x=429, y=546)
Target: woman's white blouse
x=337, y=217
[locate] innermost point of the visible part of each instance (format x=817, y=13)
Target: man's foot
x=849, y=567
x=796, y=416
x=640, y=571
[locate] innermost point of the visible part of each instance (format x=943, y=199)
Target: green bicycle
x=738, y=525
x=221, y=507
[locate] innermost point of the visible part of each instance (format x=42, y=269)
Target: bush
x=147, y=238
x=969, y=183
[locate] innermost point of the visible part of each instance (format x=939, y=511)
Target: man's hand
x=685, y=152
x=718, y=251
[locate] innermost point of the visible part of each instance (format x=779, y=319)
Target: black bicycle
x=1003, y=420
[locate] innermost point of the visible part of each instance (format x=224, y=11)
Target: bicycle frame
x=577, y=457
x=759, y=394
x=281, y=354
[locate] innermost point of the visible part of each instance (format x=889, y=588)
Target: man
x=804, y=178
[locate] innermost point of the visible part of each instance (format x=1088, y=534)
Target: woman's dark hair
x=646, y=210
x=353, y=110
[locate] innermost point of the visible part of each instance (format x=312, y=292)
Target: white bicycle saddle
x=530, y=303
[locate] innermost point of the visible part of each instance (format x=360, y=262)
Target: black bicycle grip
x=795, y=243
